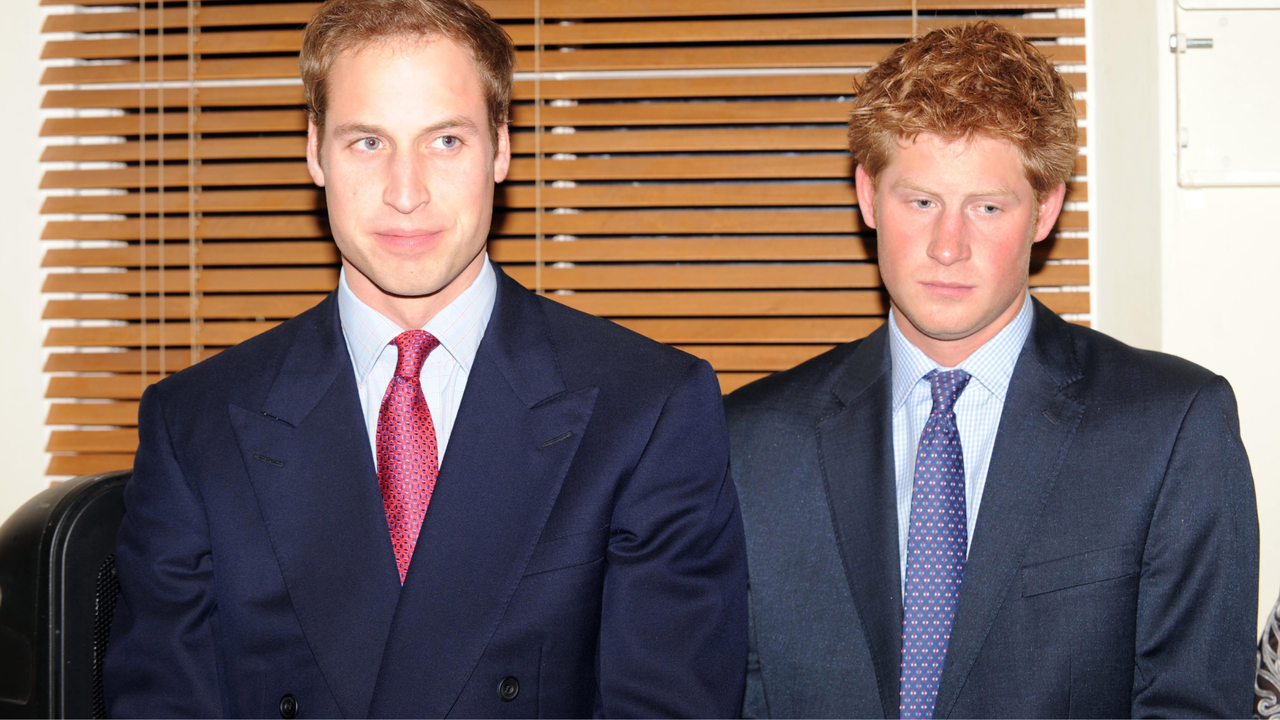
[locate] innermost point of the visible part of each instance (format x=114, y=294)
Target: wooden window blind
x=680, y=167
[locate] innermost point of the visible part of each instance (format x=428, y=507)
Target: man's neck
x=411, y=313
x=949, y=353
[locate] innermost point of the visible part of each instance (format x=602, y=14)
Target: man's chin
x=944, y=328
x=948, y=334
x=409, y=290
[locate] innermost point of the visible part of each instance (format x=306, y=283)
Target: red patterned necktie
x=407, y=457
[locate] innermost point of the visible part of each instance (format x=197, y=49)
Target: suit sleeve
x=673, y=635
x=754, y=704
x=160, y=661
x=1197, y=604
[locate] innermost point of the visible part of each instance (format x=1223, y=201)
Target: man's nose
x=950, y=243
x=406, y=188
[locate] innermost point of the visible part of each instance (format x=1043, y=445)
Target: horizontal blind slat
x=583, y=89
x=610, y=33
x=283, y=14
x=690, y=249
x=88, y=463
x=667, y=58
x=113, y=413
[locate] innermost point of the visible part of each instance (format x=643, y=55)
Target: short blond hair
x=976, y=78
x=340, y=26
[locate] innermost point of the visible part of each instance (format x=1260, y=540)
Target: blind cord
x=160, y=187
x=142, y=188
x=192, y=220
x=537, y=147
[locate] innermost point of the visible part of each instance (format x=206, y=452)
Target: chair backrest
x=1266, y=688
x=57, y=595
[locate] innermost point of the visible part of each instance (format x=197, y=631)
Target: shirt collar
x=990, y=365
x=459, y=326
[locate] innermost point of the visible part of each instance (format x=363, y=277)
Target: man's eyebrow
x=347, y=129
x=452, y=123
x=994, y=192
x=997, y=192
x=908, y=185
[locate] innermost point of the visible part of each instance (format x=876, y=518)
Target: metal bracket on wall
x=1182, y=43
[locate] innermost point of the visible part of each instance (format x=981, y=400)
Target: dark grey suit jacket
x=1112, y=571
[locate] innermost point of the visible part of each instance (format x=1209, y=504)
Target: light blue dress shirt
x=459, y=327
x=977, y=411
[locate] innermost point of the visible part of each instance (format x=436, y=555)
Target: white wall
x=1124, y=156
x=22, y=432
x=1218, y=297
x=1188, y=272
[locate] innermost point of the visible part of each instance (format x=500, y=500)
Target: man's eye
x=922, y=204
x=448, y=142
x=370, y=143
x=988, y=209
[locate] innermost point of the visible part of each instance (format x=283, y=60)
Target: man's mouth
x=945, y=289
x=405, y=236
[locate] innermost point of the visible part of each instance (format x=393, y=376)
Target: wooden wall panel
x=680, y=168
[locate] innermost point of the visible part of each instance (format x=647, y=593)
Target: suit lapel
x=1037, y=426
x=498, y=482
x=307, y=453
x=856, y=447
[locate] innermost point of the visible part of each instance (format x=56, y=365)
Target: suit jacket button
x=508, y=689
x=289, y=707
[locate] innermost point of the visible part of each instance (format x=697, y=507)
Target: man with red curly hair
x=981, y=510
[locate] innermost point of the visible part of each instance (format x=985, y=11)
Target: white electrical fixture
x=1228, y=70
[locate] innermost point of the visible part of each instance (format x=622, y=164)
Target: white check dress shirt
x=459, y=327
x=977, y=410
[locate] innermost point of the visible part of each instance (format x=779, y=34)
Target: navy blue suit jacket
x=1112, y=571
x=584, y=536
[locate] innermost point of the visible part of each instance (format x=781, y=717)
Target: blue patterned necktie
x=936, y=545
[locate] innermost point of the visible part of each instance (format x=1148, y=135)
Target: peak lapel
x=1036, y=428
x=856, y=446
x=498, y=482
x=307, y=454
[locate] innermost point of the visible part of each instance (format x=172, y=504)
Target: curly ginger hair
x=975, y=78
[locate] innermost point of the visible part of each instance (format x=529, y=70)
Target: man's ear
x=502, y=154
x=866, y=187
x=1050, y=207
x=313, y=154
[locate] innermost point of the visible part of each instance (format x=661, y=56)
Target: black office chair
x=58, y=590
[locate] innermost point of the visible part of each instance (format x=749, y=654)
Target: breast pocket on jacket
x=1086, y=568
x=568, y=551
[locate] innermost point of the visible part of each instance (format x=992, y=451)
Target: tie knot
x=947, y=386
x=414, y=346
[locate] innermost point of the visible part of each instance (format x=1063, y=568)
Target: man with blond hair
x=435, y=493
x=981, y=510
